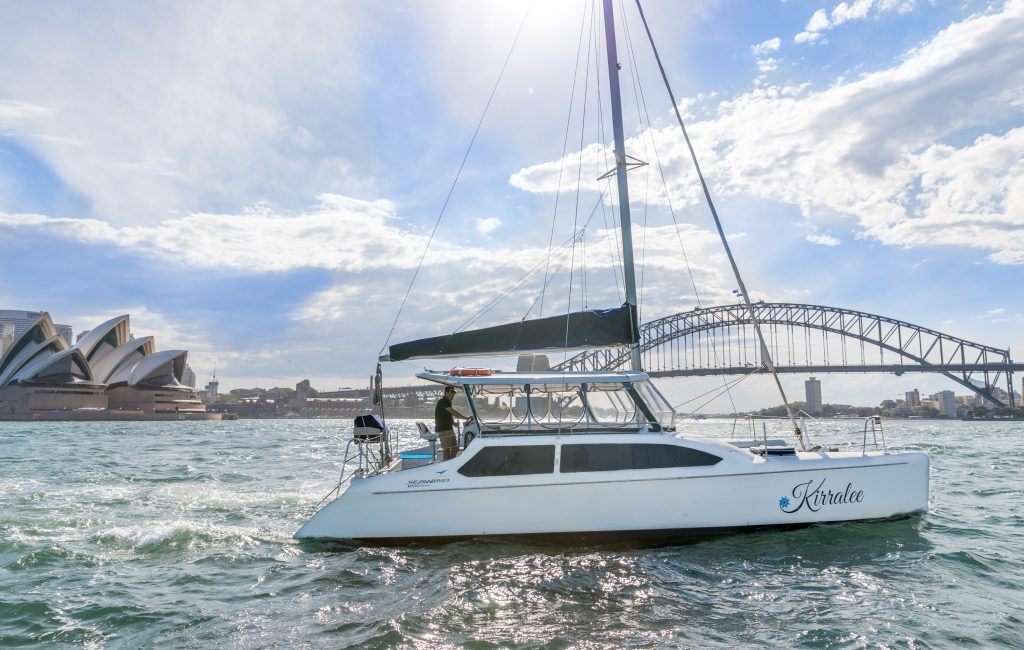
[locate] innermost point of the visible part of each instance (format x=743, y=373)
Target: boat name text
x=814, y=497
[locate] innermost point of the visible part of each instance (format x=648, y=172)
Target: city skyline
x=257, y=185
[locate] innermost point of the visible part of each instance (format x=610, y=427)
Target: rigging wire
x=455, y=182
x=614, y=241
x=765, y=355
x=579, y=172
x=664, y=181
x=564, y=247
x=731, y=384
x=493, y=302
x=565, y=144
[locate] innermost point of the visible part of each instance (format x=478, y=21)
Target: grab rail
x=876, y=421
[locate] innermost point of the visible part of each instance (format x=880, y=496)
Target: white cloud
x=151, y=110
x=332, y=304
x=488, y=225
x=823, y=240
x=13, y=112
x=867, y=149
x=764, y=47
x=767, y=65
x=338, y=233
x=818, y=22
x=346, y=235
x=844, y=12
x=807, y=37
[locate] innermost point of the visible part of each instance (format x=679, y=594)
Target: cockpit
x=553, y=402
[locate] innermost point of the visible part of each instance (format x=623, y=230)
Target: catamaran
x=594, y=456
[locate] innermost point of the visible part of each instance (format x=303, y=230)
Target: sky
x=259, y=184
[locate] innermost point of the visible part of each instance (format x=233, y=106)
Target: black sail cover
x=581, y=329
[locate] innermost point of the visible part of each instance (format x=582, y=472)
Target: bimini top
x=471, y=377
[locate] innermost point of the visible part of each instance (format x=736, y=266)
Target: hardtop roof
x=535, y=377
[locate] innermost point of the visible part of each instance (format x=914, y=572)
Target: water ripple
x=186, y=542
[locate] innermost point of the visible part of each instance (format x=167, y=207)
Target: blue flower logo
x=784, y=503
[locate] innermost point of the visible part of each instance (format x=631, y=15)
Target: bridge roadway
x=895, y=369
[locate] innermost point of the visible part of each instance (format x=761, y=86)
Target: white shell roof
x=31, y=357
x=105, y=367
x=148, y=366
x=105, y=355
x=89, y=342
x=41, y=363
x=22, y=350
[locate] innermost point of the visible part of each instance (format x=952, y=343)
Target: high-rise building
x=64, y=331
x=812, y=387
x=189, y=376
x=945, y=402
x=15, y=321
x=914, y=399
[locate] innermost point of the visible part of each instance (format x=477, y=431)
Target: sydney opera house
x=106, y=374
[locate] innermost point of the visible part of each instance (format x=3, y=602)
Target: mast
x=629, y=273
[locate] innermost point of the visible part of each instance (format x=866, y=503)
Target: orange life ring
x=471, y=372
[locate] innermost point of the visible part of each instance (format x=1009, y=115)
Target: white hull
x=741, y=491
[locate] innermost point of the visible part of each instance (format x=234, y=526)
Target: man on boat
x=444, y=422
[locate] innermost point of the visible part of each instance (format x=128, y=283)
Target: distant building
x=945, y=402
x=812, y=387
x=64, y=331
x=188, y=377
x=301, y=395
x=914, y=399
x=212, y=389
x=15, y=321
x=1000, y=395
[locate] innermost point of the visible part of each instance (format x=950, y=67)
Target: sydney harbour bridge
x=801, y=339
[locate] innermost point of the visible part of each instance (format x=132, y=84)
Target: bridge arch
x=916, y=348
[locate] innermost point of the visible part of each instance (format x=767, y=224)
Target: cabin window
x=608, y=458
x=511, y=461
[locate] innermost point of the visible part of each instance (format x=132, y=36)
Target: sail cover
x=581, y=329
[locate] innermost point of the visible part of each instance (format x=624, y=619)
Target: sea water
x=179, y=534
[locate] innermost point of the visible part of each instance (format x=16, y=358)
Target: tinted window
x=606, y=458
x=511, y=461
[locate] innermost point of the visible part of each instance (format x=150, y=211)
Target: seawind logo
x=425, y=482
x=814, y=496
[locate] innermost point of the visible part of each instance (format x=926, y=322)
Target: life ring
x=471, y=372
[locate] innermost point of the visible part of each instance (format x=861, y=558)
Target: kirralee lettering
x=814, y=496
